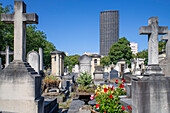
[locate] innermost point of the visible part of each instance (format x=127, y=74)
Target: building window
x=55, y=58
x=95, y=61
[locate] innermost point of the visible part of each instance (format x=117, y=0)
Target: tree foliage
x=120, y=50
x=35, y=38
x=143, y=54
x=71, y=61
x=105, y=61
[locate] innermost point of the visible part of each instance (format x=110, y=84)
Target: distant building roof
x=58, y=52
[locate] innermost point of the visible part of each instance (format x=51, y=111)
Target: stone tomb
x=57, y=63
x=33, y=59
x=150, y=94
x=20, y=85
x=85, y=64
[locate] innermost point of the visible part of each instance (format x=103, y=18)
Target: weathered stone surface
x=7, y=53
x=151, y=95
x=75, y=106
x=57, y=63
x=165, y=63
x=85, y=64
x=33, y=59
x=41, y=58
x=153, y=30
x=20, y=88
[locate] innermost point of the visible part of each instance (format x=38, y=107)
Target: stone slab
x=151, y=95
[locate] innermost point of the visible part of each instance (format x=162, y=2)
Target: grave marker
x=153, y=30
x=7, y=53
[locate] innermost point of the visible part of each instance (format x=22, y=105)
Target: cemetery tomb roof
x=58, y=52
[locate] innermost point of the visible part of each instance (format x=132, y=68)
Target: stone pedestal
x=151, y=94
x=20, y=88
x=153, y=69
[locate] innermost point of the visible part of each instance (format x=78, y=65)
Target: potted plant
x=84, y=88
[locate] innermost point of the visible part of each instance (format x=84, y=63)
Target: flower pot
x=84, y=96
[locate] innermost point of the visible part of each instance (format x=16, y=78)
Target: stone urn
x=85, y=96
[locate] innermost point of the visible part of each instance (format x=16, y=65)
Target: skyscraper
x=109, y=30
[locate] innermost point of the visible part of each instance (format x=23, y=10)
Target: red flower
x=110, y=96
x=97, y=94
x=116, y=81
x=121, y=86
x=112, y=88
x=99, y=101
x=123, y=108
x=123, y=80
x=129, y=107
x=97, y=105
x=105, y=112
x=105, y=90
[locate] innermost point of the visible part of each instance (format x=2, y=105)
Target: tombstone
x=85, y=64
x=113, y=74
x=20, y=85
x=153, y=30
x=165, y=64
x=106, y=76
x=7, y=53
x=33, y=59
x=76, y=68
x=150, y=94
x=98, y=74
x=41, y=58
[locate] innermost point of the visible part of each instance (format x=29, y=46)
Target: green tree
x=105, y=61
x=120, y=50
x=143, y=54
x=162, y=45
x=71, y=61
x=35, y=38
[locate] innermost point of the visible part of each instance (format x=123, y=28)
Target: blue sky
x=73, y=25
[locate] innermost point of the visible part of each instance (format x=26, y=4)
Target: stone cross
x=19, y=18
x=7, y=52
x=166, y=38
x=153, y=30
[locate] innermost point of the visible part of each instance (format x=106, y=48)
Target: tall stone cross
x=153, y=30
x=7, y=53
x=167, y=39
x=20, y=18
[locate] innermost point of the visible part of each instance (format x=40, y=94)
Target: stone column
x=41, y=58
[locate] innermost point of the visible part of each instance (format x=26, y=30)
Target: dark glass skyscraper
x=109, y=30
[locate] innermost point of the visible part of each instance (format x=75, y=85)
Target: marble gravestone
x=165, y=64
x=20, y=85
x=7, y=53
x=33, y=59
x=150, y=94
x=85, y=64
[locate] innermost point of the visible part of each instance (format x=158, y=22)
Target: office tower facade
x=109, y=30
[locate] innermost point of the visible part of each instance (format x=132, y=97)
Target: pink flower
x=92, y=97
